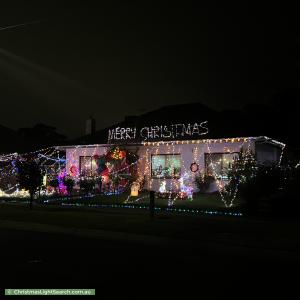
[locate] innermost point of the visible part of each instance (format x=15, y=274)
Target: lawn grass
x=121, y=220
x=200, y=201
x=174, y=226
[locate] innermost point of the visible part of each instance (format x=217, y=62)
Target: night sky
x=116, y=59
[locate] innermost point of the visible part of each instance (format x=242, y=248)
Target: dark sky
x=116, y=59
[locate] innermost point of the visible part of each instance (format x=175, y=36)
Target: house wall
x=267, y=154
x=189, y=153
x=73, y=154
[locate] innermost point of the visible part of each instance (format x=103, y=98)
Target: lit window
x=218, y=164
x=165, y=166
x=88, y=165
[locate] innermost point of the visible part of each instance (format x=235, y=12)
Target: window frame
x=91, y=164
x=165, y=177
x=206, y=157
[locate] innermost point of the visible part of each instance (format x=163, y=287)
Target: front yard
x=200, y=201
x=195, y=227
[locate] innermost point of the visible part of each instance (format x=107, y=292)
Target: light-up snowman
x=185, y=188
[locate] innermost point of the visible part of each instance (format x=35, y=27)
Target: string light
x=161, y=209
x=219, y=185
x=45, y=157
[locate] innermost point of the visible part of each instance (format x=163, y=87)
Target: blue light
x=167, y=209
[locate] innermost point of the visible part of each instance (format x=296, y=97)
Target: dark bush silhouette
x=54, y=183
x=87, y=185
x=29, y=177
x=203, y=182
x=286, y=201
x=69, y=183
x=271, y=185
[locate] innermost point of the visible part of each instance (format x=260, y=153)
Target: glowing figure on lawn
x=185, y=188
x=135, y=187
x=162, y=188
x=2, y=194
x=18, y=194
x=61, y=186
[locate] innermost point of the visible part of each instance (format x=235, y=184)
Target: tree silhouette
x=29, y=177
x=40, y=136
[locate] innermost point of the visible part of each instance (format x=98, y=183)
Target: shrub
x=203, y=182
x=285, y=202
x=54, y=183
x=69, y=183
x=267, y=182
x=242, y=169
x=87, y=185
x=30, y=177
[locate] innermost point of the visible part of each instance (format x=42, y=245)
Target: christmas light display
x=158, y=132
x=74, y=171
x=15, y=194
x=112, y=167
x=47, y=159
x=162, y=188
x=118, y=154
x=186, y=190
x=221, y=184
x=194, y=167
x=159, y=209
x=135, y=187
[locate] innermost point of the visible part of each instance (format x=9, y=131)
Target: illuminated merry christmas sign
x=174, y=131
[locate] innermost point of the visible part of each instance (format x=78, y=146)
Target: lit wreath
x=194, y=167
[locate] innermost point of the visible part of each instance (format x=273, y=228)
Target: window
x=165, y=166
x=218, y=163
x=88, y=165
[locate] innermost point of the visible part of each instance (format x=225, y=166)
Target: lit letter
x=128, y=133
x=196, y=129
x=176, y=131
x=156, y=131
x=168, y=133
x=117, y=135
x=144, y=136
x=204, y=127
x=122, y=132
x=186, y=129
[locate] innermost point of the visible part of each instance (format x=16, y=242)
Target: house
x=169, y=157
x=172, y=146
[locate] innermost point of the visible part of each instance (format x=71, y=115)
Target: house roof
x=260, y=139
x=226, y=123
